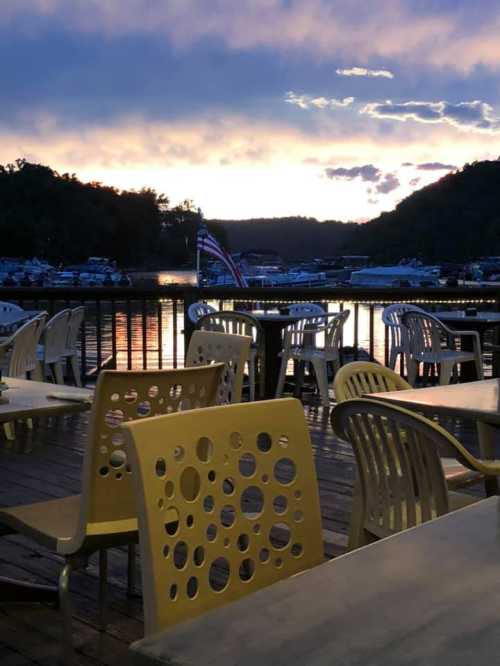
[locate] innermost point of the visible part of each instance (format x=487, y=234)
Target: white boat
x=402, y=275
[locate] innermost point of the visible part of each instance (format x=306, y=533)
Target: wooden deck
x=29, y=634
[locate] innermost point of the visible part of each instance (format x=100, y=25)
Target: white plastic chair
x=305, y=309
x=398, y=340
x=431, y=341
x=21, y=348
x=71, y=351
x=51, y=353
x=300, y=343
x=198, y=310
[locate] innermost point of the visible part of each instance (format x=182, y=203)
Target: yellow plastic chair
x=401, y=479
x=242, y=323
x=105, y=513
x=360, y=378
x=207, y=347
x=242, y=484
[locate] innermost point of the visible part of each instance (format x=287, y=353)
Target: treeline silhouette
x=59, y=218
x=456, y=218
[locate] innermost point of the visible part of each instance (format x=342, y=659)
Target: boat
x=401, y=275
x=24, y=272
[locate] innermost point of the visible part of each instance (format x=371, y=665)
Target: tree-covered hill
x=456, y=218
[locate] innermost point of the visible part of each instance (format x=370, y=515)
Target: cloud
x=307, y=102
x=415, y=181
x=384, y=182
x=473, y=116
x=389, y=183
x=368, y=172
x=450, y=34
x=362, y=71
x=436, y=166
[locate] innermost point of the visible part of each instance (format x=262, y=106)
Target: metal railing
x=133, y=328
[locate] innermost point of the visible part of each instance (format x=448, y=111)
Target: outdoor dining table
x=480, y=322
x=426, y=597
x=478, y=401
x=30, y=399
x=273, y=324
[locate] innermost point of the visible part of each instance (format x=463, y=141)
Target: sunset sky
x=330, y=108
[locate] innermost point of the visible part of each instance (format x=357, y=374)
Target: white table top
x=30, y=399
x=477, y=400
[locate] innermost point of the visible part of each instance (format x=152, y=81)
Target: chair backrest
x=75, y=323
x=391, y=316
x=321, y=331
x=108, y=502
x=243, y=488
x=55, y=336
x=399, y=466
x=198, y=310
x=5, y=306
x=207, y=347
x=23, y=343
x=305, y=309
x=358, y=378
x=425, y=333
x=236, y=323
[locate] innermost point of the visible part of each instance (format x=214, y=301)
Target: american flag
x=210, y=245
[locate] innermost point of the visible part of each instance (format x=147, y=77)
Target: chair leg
x=445, y=372
x=103, y=583
x=75, y=369
x=131, y=582
x=9, y=430
x=412, y=371
x=251, y=378
x=68, y=651
x=38, y=374
x=281, y=378
x=319, y=366
x=58, y=373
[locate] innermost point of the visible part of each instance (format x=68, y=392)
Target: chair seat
x=48, y=523
x=445, y=355
x=54, y=524
x=457, y=475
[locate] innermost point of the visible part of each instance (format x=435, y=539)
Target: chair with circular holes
x=105, y=515
x=236, y=531
x=242, y=323
x=207, y=347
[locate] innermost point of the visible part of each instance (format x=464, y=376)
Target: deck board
x=46, y=463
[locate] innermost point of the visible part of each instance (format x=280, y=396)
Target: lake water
x=162, y=337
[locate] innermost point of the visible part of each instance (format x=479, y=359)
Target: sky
x=335, y=109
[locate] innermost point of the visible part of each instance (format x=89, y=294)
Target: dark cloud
x=472, y=116
x=368, y=172
x=388, y=183
x=407, y=164
x=436, y=166
x=415, y=181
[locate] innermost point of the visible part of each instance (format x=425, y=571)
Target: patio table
x=479, y=401
x=426, y=597
x=273, y=324
x=29, y=399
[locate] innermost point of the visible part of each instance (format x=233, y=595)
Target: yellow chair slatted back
x=213, y=347
x=241, y=481
x=356, y=379
x=398, y=456
x=121, y=396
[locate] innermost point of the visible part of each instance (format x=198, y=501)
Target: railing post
x=190, y=296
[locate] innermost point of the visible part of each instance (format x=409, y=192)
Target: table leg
x=273, y=360
x=468, y=370
x=17, y=591
x=486, y=433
